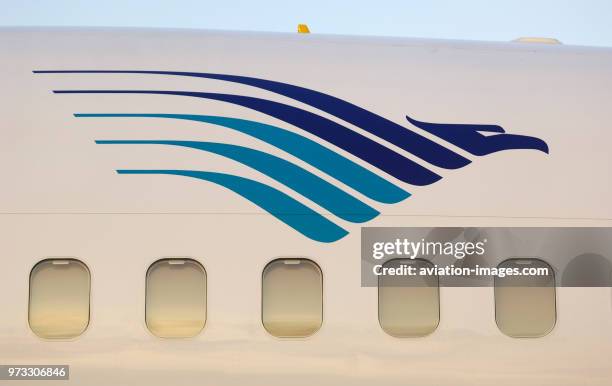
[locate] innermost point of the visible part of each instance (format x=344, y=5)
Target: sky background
x=580, y=22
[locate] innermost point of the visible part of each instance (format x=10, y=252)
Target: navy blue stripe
x=468, y=137
x=465, y=136
x=368, y=150
x=400, y=136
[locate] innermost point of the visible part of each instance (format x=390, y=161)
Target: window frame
x=554, y=288
x=89, y=313
x=320, y=271
x=439, y=305
x=146, y=289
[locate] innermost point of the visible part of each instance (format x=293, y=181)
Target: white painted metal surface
x=61, y=197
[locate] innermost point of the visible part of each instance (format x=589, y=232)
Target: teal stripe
x=286, y=209
x=302, y=181
x=348, y=172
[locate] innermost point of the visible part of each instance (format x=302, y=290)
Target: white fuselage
x=61, y=197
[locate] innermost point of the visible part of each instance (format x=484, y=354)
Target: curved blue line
x=278, y=204
x=468, y=137
x=401, y=136
x=363, y=147
x=302, y=181
x=344, y=170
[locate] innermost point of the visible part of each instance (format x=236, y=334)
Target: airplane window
x=525, y=305
x=59, y=298
x=292, y=297
x=175, y=304
x=408, y=306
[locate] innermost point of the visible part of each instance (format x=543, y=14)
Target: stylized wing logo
x=345, y=206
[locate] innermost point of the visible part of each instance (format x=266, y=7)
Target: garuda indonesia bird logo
x=340, y=203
